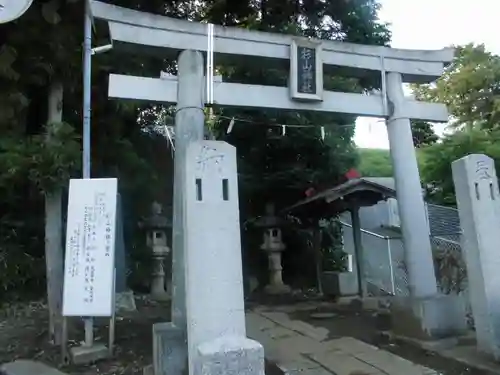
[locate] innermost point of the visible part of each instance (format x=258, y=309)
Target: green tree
x=470, y=88
x=44, y=46
x=423, y=134
x=374, y=162
x=436, y=160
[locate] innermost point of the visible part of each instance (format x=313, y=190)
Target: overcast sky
x=432, y=24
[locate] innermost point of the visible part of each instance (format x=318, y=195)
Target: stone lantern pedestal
x=273, y=246
x=156, y=227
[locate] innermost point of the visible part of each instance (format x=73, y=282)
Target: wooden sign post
x=89, y=268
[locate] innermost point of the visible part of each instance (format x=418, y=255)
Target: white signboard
x=90, y=248
x=12, y=9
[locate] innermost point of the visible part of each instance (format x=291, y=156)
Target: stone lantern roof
x=270, y=220
x=157, y=220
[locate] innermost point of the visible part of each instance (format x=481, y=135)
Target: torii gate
x=308, y=58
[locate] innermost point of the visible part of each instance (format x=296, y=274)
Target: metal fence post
x=391, y=269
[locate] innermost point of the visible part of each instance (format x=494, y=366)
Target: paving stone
x=323, y=315
x=257, y=321
x=258, y=328
x=350, y=345
x=301, y=344
x=392, y=364
x=318, y=333
x=299, y=363
x=300, y=348
x=278, y=333
x=311, y=371
x=26, y=367
x=343, y=364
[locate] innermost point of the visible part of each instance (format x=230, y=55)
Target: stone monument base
x=230, y=355
x=160, y=297
x=277, y=289
x=82, y=355
x=429, y=318
x=125, y=302
x=169, y=350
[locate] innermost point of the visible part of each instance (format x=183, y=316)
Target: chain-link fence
x=381, y=252
x=444, y=222
x=385, y=267
x=449, y=266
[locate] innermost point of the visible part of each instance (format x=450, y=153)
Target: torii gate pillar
x=414, y=224
x=426, y=314
x=189, y=127
x=170, y=339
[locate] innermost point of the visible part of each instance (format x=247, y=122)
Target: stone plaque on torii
x=308, y=59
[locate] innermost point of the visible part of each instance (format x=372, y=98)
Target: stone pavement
x=299, y=348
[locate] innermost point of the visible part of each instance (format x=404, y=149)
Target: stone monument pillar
x=156, y=238
x=273, y=246
x=217, y=342
x=478, y=199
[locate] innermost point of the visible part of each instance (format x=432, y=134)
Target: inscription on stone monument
x=483, y=170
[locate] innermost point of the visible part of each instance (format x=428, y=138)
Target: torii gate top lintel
x=307, y=59
x=152, y=32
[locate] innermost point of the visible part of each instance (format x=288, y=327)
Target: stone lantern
x=156, y=227
x=274, y=246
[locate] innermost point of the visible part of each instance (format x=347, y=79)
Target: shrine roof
x=358, y=192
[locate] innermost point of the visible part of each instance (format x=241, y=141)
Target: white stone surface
x=230, y=355
x=213, y=265
x=128, y=26
x=476, y=188
x=412, y=212
x=90, y=247
x=256, y=96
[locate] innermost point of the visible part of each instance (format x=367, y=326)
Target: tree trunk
x=53, y=232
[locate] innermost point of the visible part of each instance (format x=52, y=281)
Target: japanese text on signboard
x=306, y=70
x=89, y=261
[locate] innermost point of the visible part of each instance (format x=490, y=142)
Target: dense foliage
x=374, y=162
x=437, y=159
x=471, y=89
x=423, y=133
